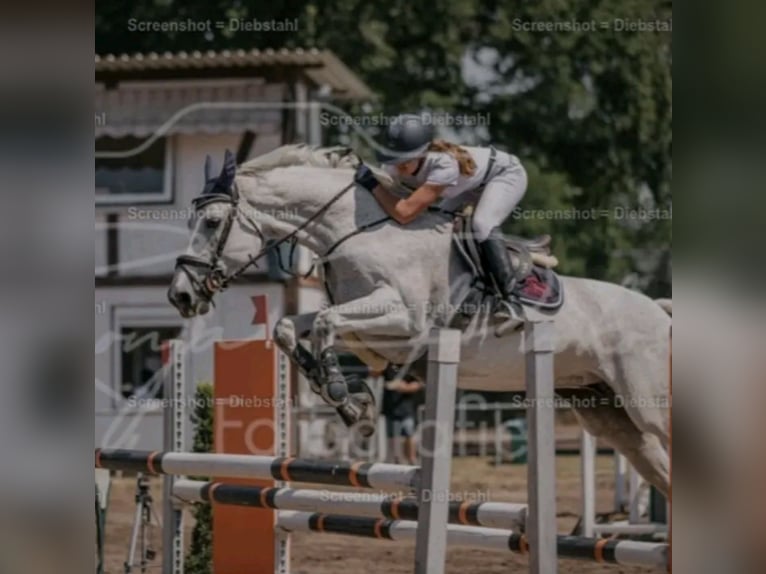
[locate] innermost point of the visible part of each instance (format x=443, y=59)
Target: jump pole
x=541, y=470
x=505, y=515
x=263, y=468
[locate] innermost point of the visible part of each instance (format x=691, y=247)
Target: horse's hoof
x=365, y=428
x=359, y=417
x=359, y=412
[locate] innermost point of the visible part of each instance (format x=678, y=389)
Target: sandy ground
x=314, y=553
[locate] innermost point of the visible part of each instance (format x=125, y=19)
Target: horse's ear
x=208, y=168
x=229, y=169
x=229, y=163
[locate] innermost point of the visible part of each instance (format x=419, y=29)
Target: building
x=157, y=117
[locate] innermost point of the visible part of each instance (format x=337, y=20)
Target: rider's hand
x=364, y=177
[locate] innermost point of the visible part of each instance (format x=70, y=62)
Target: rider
x=452, y=175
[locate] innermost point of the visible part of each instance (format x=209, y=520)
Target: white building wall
x=150, y=238
x=120, y=424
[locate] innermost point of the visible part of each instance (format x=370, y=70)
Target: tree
x=587, y=110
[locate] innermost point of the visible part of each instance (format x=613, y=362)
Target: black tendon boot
x=496, y=261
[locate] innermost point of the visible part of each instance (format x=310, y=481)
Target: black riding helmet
x=407, y=137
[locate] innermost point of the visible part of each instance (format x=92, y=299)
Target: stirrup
x=504, y=310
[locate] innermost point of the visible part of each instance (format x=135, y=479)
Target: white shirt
x=440, y=168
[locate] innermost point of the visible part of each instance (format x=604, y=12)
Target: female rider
x=452, y=175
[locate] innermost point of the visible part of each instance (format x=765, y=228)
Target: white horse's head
x=224, y=239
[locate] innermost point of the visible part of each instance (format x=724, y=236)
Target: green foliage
x=202, y=418
x=596, y=106
x=589, y=112
x=199, y=560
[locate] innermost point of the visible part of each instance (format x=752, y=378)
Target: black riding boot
x=496, y=261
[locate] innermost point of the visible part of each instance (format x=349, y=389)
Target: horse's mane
x=301, y=154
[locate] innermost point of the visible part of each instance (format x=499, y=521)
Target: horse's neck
x=287, y=199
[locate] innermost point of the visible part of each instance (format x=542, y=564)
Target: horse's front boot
x=353, y=400
x=359, y=412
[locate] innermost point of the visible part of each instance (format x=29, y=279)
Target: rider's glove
x=364, y=177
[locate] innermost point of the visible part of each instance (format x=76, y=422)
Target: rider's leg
x=498, y=200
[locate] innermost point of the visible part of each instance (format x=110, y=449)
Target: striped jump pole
x=377, y=475
x=625, y=552
x=489, y=514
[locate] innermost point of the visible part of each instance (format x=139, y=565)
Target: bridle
x=215, y=278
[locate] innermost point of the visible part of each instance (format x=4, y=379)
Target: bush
x=199, y=560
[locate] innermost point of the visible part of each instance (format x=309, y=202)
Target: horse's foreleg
x=382, y=312
x=287, y=333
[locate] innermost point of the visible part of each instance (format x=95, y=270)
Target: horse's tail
x=666, y=304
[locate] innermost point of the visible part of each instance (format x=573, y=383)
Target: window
x=142, y=361
x=142, y=177
x=136, y=333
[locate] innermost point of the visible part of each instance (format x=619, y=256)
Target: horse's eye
x=212, y=223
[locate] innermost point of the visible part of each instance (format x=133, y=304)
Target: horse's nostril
x=184, y=299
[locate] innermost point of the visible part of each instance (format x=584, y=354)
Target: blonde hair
x=461, y=155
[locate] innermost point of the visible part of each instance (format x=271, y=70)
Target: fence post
x=436, y=451
x=588, y=476
x=174, y=440
x=541, y=469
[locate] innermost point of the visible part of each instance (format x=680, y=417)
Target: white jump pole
x=541, y=470
x=436, y=451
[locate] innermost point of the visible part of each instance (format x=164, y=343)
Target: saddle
x=536, y=282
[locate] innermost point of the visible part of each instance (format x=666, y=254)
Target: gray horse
x=388, y=285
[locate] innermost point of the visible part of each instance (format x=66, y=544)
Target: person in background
x=401, y=397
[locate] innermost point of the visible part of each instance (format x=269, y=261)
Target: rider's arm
x=404, y=210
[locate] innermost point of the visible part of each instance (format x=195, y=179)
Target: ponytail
x=461, y=155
